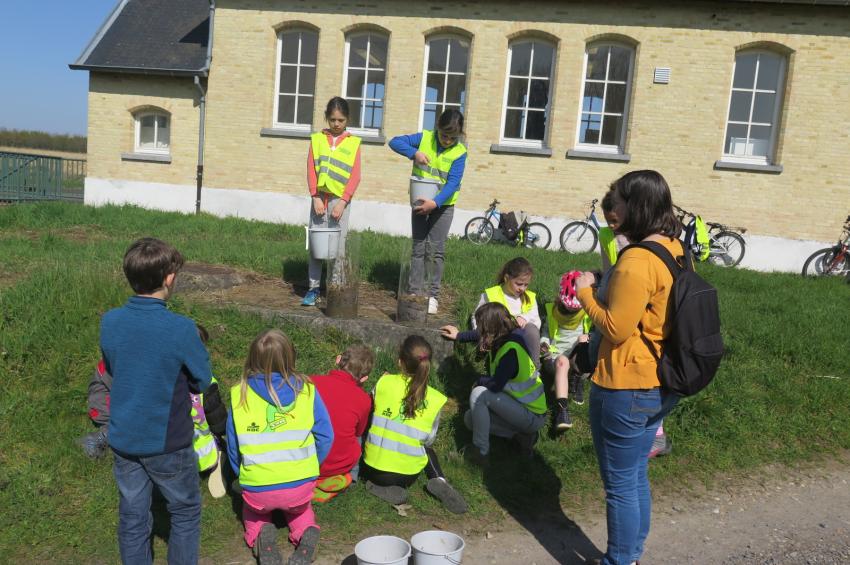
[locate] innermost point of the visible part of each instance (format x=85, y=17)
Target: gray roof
x=165, y=37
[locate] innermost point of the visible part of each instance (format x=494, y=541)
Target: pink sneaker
x=661, y=445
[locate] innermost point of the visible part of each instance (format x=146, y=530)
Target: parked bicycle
x=833, y=260
x=581, y=236
x=726, y=245
x=507, y=228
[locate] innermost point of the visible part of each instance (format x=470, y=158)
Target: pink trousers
x=295, y=503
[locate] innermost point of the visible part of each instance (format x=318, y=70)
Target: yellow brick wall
x=676, y=128
x=111, y=128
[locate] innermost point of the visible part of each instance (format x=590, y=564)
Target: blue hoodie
x=322, y=429
x=408, y=145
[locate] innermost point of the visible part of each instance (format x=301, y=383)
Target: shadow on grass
x=385, y=274
x=294, y=272
x=534, y=502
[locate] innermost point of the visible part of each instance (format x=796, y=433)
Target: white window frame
x=445, y=74
x=779, y=95
x=137, y=141
x=363, y=131
x=620, y=147
x=519, y=142
x=294, y=126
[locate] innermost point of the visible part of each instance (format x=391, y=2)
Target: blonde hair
x=271, y=352
x=414, y=357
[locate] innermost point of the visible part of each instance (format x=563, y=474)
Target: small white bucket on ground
x=422, y=189
x=382, y=550
x=436, y=547
x=324, y=242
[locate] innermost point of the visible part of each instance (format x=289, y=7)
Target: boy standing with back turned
x=144, y=347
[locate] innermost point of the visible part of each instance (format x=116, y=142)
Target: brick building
x=743, y=106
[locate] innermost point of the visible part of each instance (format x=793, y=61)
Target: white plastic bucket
x=324, y=242
x=382, y=550
x=436, y=547
x=422, y=189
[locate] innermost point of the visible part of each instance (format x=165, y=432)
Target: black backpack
x=509, y=225
x=692, y=352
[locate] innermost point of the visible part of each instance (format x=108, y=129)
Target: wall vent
x=662, y=75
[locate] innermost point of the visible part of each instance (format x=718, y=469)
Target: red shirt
x=349, y=407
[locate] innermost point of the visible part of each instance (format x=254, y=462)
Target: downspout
x=203, y=107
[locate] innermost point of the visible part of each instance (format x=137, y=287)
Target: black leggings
x=390, y=479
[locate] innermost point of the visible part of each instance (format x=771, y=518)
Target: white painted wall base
x=764, y=253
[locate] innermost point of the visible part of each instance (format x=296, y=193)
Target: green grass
x=61, y=270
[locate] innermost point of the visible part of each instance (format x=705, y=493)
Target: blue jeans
x=176, y=476
x=623, y=424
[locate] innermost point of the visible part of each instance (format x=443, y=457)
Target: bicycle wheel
x=537, y=235
x=727, y=248
x=479, y=230
x=826, y=262
x=579, y=237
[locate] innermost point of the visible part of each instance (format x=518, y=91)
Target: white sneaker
x=432, y=305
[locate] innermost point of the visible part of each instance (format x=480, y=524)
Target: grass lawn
x=781, y=395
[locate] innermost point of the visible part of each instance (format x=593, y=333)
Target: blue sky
x=38, y=40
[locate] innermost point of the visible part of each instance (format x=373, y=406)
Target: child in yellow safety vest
x=511, y=291
x=278, y=432
x=508, y=401
x=333, y=174
x=404, y=426
x=567, y=328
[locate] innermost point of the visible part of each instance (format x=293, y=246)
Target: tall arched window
x=296, y=78
x=606, y=88
x=444, y=85
x=365, y=77
x=528, y=86
x=754, y=105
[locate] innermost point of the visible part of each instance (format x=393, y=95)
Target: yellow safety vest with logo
x=552, y=323
x=439, y=165
x=203, y=441
x=526, y=387
x=496, y=294
x=276, y=445
x=608, y=242
x=333, y=164
x=394, y=442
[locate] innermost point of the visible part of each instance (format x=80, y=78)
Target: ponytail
x=415, y=359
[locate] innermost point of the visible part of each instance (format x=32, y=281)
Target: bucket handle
x=307, y=238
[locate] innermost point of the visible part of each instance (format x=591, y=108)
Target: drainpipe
x=202, y=103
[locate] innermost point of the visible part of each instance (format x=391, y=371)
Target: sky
x=38, y=40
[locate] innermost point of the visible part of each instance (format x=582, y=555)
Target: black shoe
x=577, y=389
x=474, y=456
x=305, y=551
x=526, y=443
x=562, y=419
x=265, y=546
x=446, y=493
x=392, y=494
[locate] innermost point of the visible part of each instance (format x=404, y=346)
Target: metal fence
x=39, y=177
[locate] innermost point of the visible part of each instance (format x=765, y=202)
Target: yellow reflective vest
x=608, y=242
x=333, y=164
x=276, y=445
x=203, y=441
x=701, y=236
x=496, y=294
x=440, y=164
x=394, y=442
x=526, y=387
x=554, y=326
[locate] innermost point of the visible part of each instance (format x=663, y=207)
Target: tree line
x=42, y=140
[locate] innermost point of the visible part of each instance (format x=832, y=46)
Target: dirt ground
x=772, y=517
x=223, y=285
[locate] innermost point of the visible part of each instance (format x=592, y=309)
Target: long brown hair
x=494, y=324
x=516, y=267
x=414, y=358
x=271, y=352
